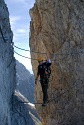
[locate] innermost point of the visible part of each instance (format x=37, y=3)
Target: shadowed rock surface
x=7, y=66
x=12, y=112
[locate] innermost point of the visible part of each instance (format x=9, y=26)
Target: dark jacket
x=42, y=67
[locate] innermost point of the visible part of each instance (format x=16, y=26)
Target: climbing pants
x=44, y=85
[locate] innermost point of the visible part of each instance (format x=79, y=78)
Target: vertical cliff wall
x=13, y=110
x=57, y=28
x=7, y=66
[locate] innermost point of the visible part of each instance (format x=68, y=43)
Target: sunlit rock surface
x=57, y=28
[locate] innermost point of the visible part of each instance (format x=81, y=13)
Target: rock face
x=13, y=111
x=57, y=28
x=7, y=66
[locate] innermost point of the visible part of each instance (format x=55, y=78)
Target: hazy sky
x=20, y=21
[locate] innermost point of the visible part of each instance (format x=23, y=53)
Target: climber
x=44, y=72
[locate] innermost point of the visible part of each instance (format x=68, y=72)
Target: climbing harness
x=47, y=72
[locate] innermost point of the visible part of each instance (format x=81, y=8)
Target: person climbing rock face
x=44, y=73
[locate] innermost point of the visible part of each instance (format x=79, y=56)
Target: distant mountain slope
x=25, y=81
x=23, y=113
